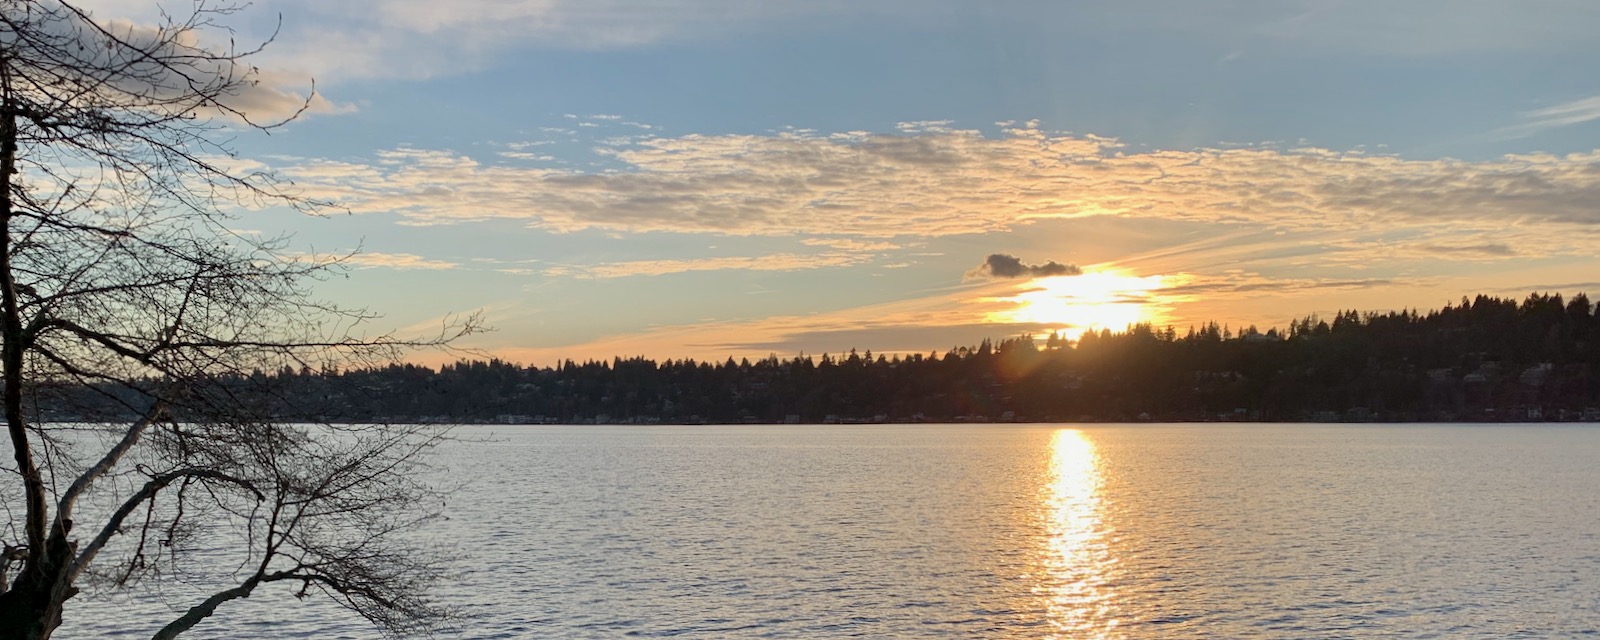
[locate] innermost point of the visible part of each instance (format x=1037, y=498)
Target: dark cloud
x=1000, y=265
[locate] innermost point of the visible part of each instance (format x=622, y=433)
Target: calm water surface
x=1008, y=531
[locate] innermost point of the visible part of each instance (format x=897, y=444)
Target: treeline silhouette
x=1486, y=359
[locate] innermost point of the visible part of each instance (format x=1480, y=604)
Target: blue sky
x=709, y=178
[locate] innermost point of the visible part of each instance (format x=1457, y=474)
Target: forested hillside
x=1487, y=358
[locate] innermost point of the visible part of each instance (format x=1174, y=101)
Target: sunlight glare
x=1109, y=299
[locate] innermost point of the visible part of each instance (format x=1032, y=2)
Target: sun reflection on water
x=1078, y=563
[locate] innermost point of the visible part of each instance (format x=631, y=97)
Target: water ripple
x=1147, y=531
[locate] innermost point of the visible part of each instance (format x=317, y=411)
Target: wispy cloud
x=423, y=38
x=397, y=261
x=936, y=320
x=1482, y=250
x=850, y=244
x=1553, y=117
x=775, y=262
x=943, y=319
x=1255, y=283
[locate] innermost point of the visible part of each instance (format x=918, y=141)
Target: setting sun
x=1110, y=299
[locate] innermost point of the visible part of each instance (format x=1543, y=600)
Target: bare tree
x=121, y=282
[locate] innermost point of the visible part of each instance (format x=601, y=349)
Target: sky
x=725, y=178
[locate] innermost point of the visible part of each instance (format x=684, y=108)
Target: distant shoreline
x=1486, y=360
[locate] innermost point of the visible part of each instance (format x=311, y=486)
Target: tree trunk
x=31, y=606
x=29, y=609
x=27, y=616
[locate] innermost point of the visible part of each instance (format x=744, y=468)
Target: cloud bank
x=935, y=181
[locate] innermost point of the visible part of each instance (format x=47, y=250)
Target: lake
x=1003, y=531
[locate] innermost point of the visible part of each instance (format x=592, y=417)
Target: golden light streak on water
x=1078, y=563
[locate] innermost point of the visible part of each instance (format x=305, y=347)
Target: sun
x=1102, y=299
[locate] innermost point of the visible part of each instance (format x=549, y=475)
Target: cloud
x=1000, y=265
x=425, y=38
x=1554, y=117
x=274, y=96
x=889, y=338
x=939, y=319
x=397, y=261
x=1431, y=247
x=929, y=321
x=1193, y=286
x=879, y=187
x=924, y=323
x=523, y=155
x=775, y=262
x=849, y=244
x=1481, y=250
x=198, y=55
x=1574, y=287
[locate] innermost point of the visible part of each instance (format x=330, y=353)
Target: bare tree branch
x=130, y=437
x=113, y=524
x=126, y=300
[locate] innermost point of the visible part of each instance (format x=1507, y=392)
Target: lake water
x=1005, y=531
